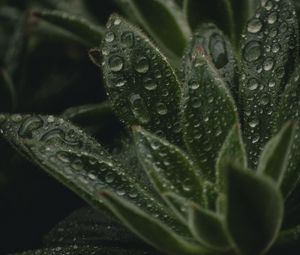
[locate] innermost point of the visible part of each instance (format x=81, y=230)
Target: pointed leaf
x=212, y=42
x=208, y=114
x=163, y=19
x=289, y=109
x=233, y=150
x=87, y=226
x=141, y=84
x=149, y=229
x=77, y=160
x=274, y=158
x=207, y=227
x=268, y=57
x=173, y=168
x=254, y=211
x=87, y=32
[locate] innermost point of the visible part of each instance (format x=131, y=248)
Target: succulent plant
x=210, y=164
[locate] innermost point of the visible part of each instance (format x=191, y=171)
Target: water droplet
x=109, y=178
x=127, y=39
x=150, y=85
x=194, y=84
x=116, y=63
x=252, y=51
x=63, y=156
x=252, y=84
x=117, y=22
x=109, y=36
x=218, y=51
x=265, y=100
x=139, y=109
x=272, y=18
x=16, y=117
x=253, y=123
x=254, y=25
x=142, y=65
x=272, y=83
x=29, y=125
x=268, y=64
x=120, y=83
x=50, y=119
x=162, y=109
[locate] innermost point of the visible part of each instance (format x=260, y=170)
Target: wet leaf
x=254, y=211
x=163, y=19
x=208, y=114
x=211, y=41
x=289, y=109
x=141, y=84
x=233, y=150
x=207, y=227
x=87, y=226
x=87, y=32
x=274, y=158
x=77, y=160
x=149, y=229
x=268, y=56
x=168, y=167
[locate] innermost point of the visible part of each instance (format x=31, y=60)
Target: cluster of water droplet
x=266, y=55
x=141, y=84
x=209, y=114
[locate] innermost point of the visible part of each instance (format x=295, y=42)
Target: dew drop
x=116, y=63
x=142, y=65
x=252, y=51
x=109, y=36
x=272, y=18
x=139, y=108
x=161, y=109
x=127, y=39
x=254, y=25
x=218, y=51
x=109, y=178
x=252, y=84
x=268, y=64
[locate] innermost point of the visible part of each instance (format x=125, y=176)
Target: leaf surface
x=268, y=58
x=141, y=84
x=254, y=211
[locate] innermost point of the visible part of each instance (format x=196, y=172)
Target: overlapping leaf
x=211, y=41
x=140, y=82
x=268, y=57
x=165, y=26
x=150, y=229
x=254, y=211
x=77, y=160
x=84, y=30
x=208, y=114
x=167, y=166
x=274, y=158
x=289, y=110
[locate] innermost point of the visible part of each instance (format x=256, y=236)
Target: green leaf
x=87, y=226
x=174, y=170
x=87, y=32
x=233, y=150
x=149, y=229
x=163, y=19
x=211, y=41
x=78, y=161
x=254, y=211
x=274, y=158
x=229, y=15
x=289, y=109
x=208, y=114
x=8, y=97
x=141, y=84
x=268, y=56
x=87, y=250
x=207, y=227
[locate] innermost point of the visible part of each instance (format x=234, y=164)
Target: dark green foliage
x=205, y=157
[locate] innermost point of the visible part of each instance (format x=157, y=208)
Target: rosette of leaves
x=212, y=162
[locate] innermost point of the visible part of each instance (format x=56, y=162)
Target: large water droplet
x=268, y=64
x=109, y=36
x=218, y=50
x=29, y=125
x=139, y=108
x=252, y=51
x=272, y=18
x=162, y=109
x=116, y=63
x=252, y=84
x=127, y=39
x=254, y=25
x=142, y=65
